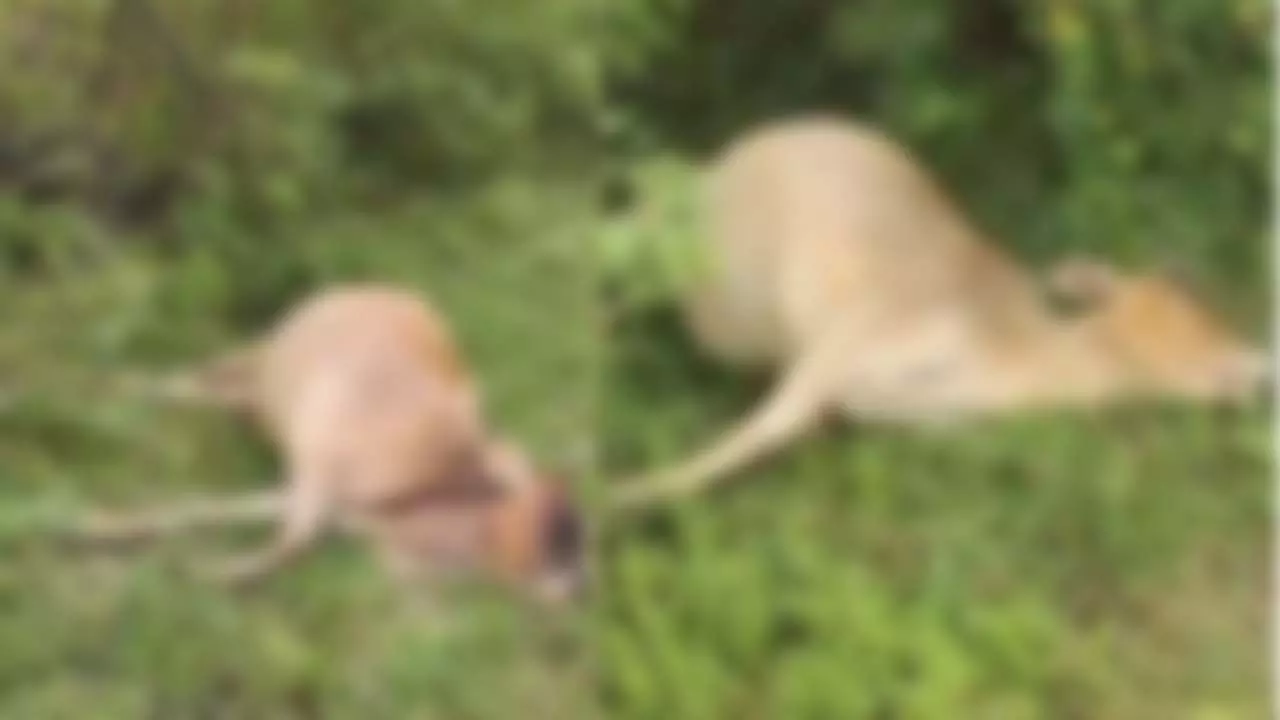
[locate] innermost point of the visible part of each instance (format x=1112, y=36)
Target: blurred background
x=174, y=174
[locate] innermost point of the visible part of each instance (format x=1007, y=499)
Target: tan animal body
x=380, y=427
x=837, y=261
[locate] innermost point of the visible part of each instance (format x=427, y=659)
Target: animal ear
x=1082, y=279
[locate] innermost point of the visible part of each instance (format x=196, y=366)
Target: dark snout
x=565, y=577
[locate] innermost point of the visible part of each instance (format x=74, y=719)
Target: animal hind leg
x=103, y=527
x=797, y=403
x=304, y=516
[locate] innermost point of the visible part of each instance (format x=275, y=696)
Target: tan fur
x=839, y=262
x=380, y=426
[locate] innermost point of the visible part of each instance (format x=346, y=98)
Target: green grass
x=1093, y=567
x=1097, y=567
x=122, y=636
x=1105, y=567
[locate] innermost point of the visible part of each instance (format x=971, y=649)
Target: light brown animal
x=382, y=434
x=836, y=260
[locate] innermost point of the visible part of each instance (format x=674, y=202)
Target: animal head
x=1169, y=342
x=495, y=516
x=541, y=542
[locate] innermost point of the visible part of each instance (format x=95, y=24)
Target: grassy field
x=175, y=174
x=106, y=635
x=1100, y=567
x=1105, y=567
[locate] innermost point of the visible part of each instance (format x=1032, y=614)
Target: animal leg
x=796, y=404
x=107, y=527
x=228, y=381
x=304, y=516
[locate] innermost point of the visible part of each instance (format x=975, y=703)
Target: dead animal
x=381, y=431
x=838, y=262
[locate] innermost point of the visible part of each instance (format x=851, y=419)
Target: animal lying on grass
x=380, y=426
x=837, y=261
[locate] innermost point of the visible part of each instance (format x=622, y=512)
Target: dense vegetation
x=172, y=174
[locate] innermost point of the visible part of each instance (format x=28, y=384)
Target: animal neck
x=1065, y=364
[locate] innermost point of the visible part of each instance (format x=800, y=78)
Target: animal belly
x=925, y=373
